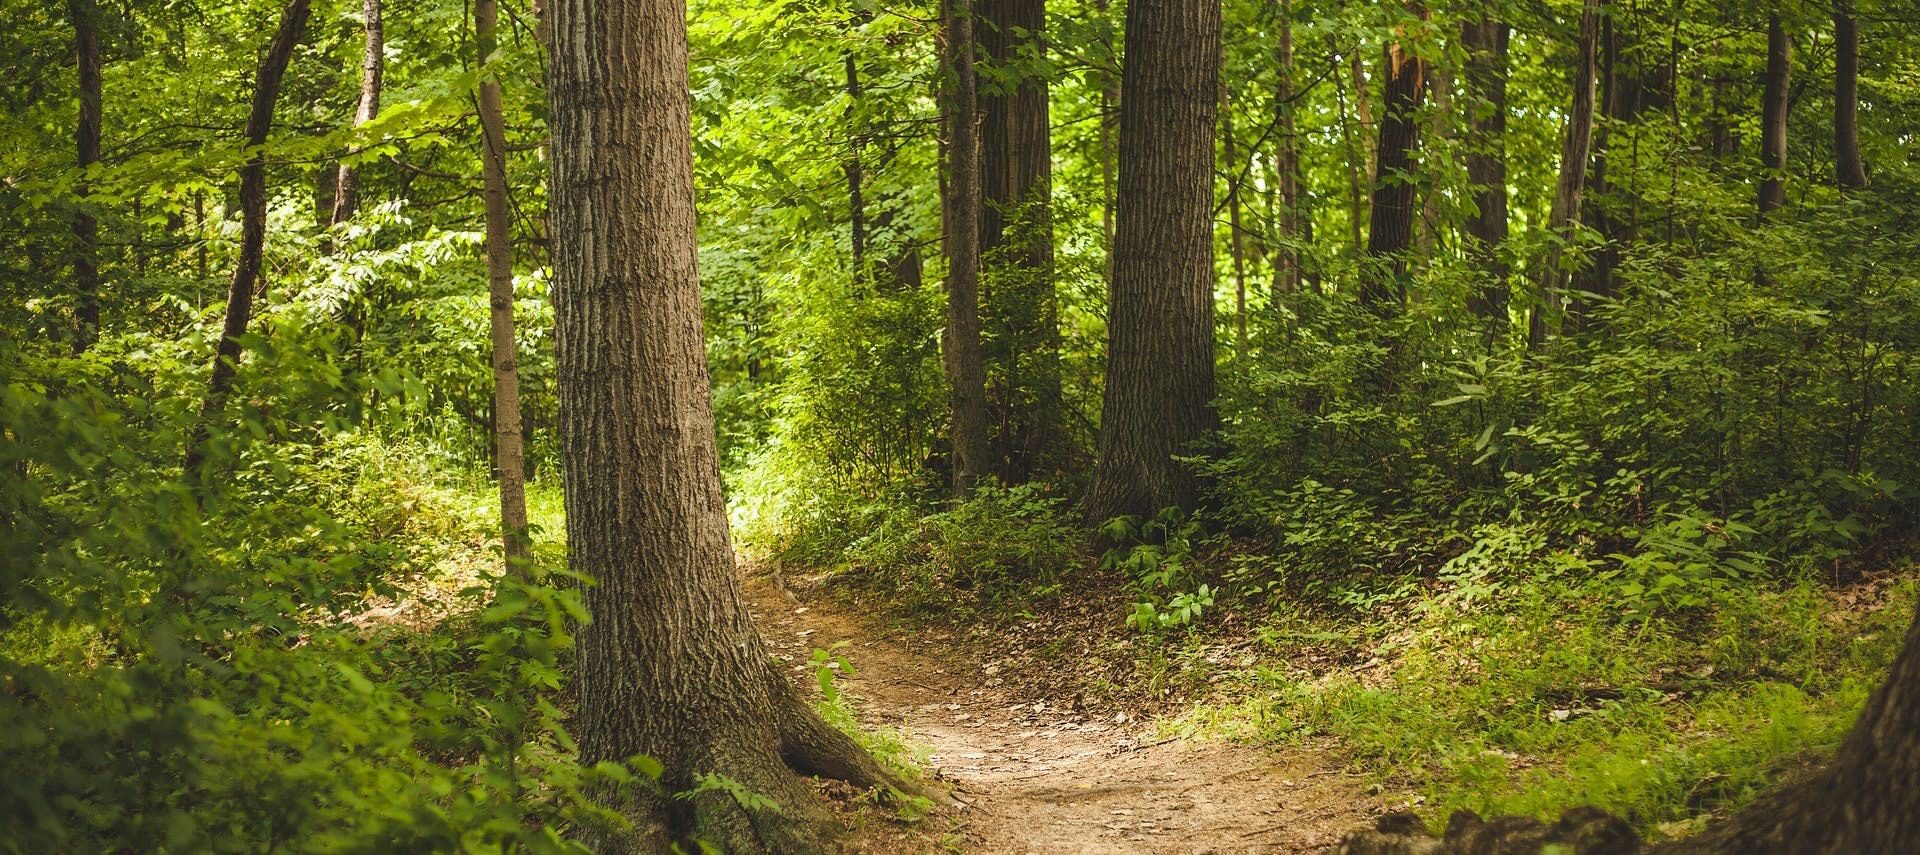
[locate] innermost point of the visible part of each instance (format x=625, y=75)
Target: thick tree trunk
x=373, y=62
x=671, y=666
x=1390, y=233
x=1849, y=172
x=86, y=142
x=253, y=228
x=965, y=367
x=509, y=450
x=1773, y=118
x=1159, y=396
x=1575, y=148
x=1295, y=230
x=1486, y=40
x=1016, y=240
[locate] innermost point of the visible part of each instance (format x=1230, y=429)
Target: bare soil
x=1026, y=774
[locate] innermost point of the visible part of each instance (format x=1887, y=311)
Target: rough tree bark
x=1848, y=171
x=1773, y=119
x=1390, y=228
x=1486, y=40
x=253, y=228
x=1575, y=147
x=373, y=63
x=671, y=665
x=1160, y=356
x=86, y=143
x=1016, y=239
x=962, y=358
x=509, y=450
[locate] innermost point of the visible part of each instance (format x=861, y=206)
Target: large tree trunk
x=965, y=366
x=1159, y=396
x=508, y=443
x=1575, y=147
x=1486, y=41
x=1383, y=286
x=86, y=143
x=671, y=666
x=253, y=228
x=1849, y=172
x=1016, y=240
x=373, y=62
x=1773, y=119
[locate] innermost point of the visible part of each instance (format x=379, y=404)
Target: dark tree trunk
x=510, y=453
x=965, y=367
x=1773, y=116
x=86, y=143
x=1849, y=172
x=1295, y=230
x=1575, y=148
x=1159, y=396
x=346, y=184
x=253, y=228
x=1016, y=239
x=671, y=665
x=1486, y=42
x=856, y=174
x=1390, y=230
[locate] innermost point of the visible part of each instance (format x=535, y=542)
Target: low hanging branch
x=253, y=228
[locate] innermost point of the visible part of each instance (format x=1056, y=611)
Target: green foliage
x=1000, y=546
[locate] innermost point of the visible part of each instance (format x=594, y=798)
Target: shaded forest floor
x=1026, y=772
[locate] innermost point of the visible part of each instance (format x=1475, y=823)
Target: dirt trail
x=1033, y=778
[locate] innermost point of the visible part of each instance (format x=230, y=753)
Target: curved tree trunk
x=1486, y=41
x=1773, y=119
x=671, y=666
x=86, y=143
x=1159, y=397
x=1575, y=147
x=509, y=451
x=1848, y=170
x=253, y=228
x=966, y=371
x=346, y=184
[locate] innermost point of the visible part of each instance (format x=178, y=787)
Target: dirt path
x=1035, y=778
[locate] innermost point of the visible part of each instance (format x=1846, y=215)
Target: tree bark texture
x=253, y=227
x=1575, y=148
x=1486, y=41
x=1390, y=230
x=1160, y=356
x=1849, y=172
x=1773, y=116
x=962, y=356
x=1016, y=239
x=86, y=143
x=373, y=62
x=671, y=666
x=508, y=442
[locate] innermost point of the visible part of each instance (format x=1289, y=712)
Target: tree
x=1486, y=39
x=1159, y=396
x=1016, y=237
x=509, y=455
x=373, y=62
x=966, y=372
x=1774, y=103
x=1563, y=218
x=1849, y=172
x=253, y=227
x=1390, y=229
x=1295, y=227
x=86, y=140
x=671, y=665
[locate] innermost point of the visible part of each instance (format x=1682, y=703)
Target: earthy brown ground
x=1026, y=774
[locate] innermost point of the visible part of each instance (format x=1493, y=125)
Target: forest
x=965, y=426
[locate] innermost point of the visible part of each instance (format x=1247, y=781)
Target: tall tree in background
x=671, y=665
x=1295, y=227
x=1159, y=396
x=509, y=451
x=373, y=63
x=964, y=362
x=1849, y=172
x=253, y=227
x=1575, y=146
x=1016, y=236
x=86, y=143
x=1383, y=287
x=1774, y=102
x=1486, y=39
